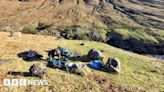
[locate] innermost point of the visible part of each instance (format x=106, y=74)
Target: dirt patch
x=107, y=85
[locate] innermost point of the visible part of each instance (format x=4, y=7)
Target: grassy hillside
x=83, y=13
x=53, y=16
x=139, y=73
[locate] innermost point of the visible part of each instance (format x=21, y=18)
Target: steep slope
x=148, y=13
x=83, y=13
x=138, y=73
x=135, y=25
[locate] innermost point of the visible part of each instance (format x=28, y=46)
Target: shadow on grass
x=82, y=58
x=25, y=74
x=23, y=55
x=103, y=69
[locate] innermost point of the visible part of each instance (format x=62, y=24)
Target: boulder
x=95, y=55
x=113, y=65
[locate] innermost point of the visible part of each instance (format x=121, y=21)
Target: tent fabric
x=96, y=64
x=54, y=63
x=66, y=52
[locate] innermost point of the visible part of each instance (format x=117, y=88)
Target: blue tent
x=96, y=64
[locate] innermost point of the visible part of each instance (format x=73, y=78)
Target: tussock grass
x=139, y=73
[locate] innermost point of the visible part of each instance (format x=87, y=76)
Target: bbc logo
x=14, y=82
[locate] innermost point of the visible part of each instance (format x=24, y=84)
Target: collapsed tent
x=96, y=64
x=63, y=65
x=95, y=55
x=37, y=71
x=66, y=52
x=54, y=63
x=30, y=55
x=113, y=65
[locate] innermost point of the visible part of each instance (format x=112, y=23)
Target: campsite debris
x=71, y=67
x=32, y=55
x=113, y=65
x=96, y=64
x=54, y=52
x=59, y=51
x=63, y=65
x=66, y=52
x=75, y=68
x=37, y=71
x=95, y=55
x=54, y=63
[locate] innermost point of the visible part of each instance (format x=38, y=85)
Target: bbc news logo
x=24, y=82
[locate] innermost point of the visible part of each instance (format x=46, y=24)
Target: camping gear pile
x=61, y=63
x=69, y=67
x=75, y=68
x=32, y=55
x=65, y=52
x=94, y=56
x=54, y=63
x=37, y=71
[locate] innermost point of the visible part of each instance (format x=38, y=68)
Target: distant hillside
x=84, y=13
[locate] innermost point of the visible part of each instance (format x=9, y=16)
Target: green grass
x=138, y=35
x=138, y=73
